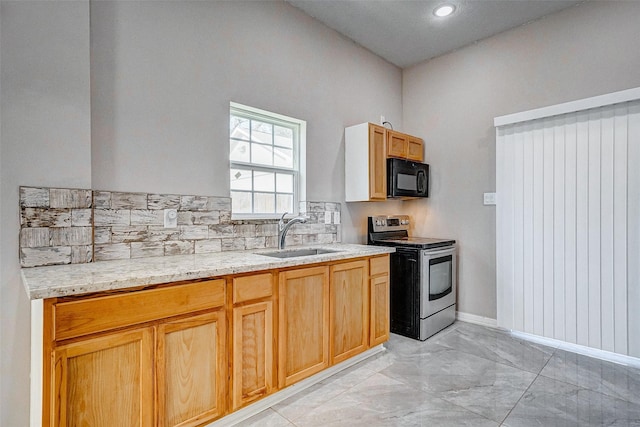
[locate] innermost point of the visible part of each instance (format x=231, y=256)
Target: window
x=265, y=156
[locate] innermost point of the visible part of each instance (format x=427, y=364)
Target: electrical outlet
x=170, y=218
x=336, y=217
x=327, y=217
x=489, y=199
x=382, y=120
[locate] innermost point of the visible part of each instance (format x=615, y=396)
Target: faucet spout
x=284, y=228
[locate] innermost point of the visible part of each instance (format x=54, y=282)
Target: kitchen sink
x=290, y=253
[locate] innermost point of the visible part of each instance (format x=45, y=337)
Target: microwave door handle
x=421, y=181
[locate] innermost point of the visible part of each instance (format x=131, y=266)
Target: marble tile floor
x=467, y=375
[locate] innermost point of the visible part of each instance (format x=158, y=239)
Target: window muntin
x=264, y=154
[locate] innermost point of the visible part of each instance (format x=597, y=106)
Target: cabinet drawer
x=379, y=265
x=83, y=317
x=247, y=288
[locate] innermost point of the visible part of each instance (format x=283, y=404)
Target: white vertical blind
x=568, y=226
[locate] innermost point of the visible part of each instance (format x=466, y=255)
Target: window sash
x=293, y=171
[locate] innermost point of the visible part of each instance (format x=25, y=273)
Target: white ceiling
x=405, y=32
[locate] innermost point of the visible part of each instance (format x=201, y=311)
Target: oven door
x=437, y=280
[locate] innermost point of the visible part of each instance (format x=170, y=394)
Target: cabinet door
x=105, y=381
x=303, y=323
x=379, y=331
x=191, y=370
x=252, y=352
x=415, y=149
x=349, y=302
x=396, y=144
x=377, y=163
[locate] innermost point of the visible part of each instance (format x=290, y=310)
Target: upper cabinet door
x=396, y=144
x=377, y=163
x=415, y=149
x=365, y=163
x=404, y=146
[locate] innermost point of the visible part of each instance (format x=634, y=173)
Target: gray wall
x=162, y=75
x=45, y=141
x=587, y=50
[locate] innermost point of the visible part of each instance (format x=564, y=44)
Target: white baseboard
x=478, y=320
x=262, y=404
x=580, y=349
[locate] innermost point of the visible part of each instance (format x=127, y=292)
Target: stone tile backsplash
x=65, y=226
x=56, y=226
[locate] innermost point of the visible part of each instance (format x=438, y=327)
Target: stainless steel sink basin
x=290, y=253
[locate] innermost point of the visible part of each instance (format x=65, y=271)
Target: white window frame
x=299, y=156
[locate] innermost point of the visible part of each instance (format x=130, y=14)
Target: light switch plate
x=170, y=218
x=489, y=199
x=336, y=217
x=327, y=217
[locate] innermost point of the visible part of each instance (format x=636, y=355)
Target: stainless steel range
x=423, y=277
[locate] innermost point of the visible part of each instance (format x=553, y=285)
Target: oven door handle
x=432, y=254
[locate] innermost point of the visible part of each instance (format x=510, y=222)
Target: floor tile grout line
x=527, y=389
x=623, y=399
x=317, y=406
x=487, y=359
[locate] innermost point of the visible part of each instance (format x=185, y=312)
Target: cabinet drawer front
x=83, y=317
x=252, y=287
x=379, y=265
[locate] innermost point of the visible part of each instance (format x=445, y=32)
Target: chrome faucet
x=283, y=228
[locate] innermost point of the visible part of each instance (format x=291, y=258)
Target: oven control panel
x=390, y=222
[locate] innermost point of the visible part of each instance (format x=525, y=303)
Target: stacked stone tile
x=64, y=226
x=55, y=226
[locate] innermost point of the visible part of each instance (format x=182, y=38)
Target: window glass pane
x=262, y=154
x=284, y=183
x=284, y=202
x=239, y=128
x=240, y=179
x=283, y=157
x=283, y=136
x=240, y=202
x=264, y=202
x=263, y=181
x=261, y=132
x=239, y=151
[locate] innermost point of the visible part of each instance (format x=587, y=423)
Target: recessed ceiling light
x=444, y=10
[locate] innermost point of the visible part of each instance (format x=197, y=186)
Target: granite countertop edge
x=77, y=279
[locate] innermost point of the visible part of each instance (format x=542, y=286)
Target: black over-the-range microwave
x=407, y=179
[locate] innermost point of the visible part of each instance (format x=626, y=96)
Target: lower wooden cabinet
x=379, y=301
x=105, y=381
x=349, y=302
x=171, y=372
x=253, y=373
x=191, y=369
x=303, y=338
x=187, y=354
x=379, y=331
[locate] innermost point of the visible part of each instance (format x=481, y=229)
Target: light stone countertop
x=77, y=279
